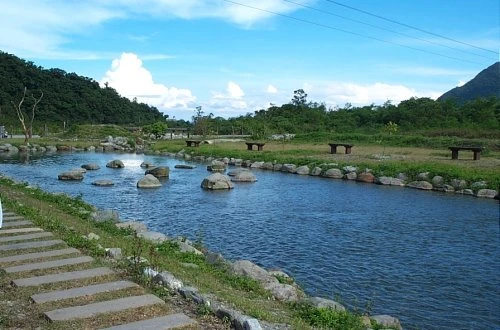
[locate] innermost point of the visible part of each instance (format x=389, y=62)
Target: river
x=428, y=258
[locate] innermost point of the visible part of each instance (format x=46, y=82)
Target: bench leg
x=333, y=150
x=260, y=148
x=454, y=154
x=477, y=155
x=347, y=150
x=249, y=147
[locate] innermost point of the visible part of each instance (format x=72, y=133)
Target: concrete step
x=13, y=217
x=38, y=255
x=30, y=245
x=82, y=291
x=20, y=230
x=62, y=277
x=116, y=305
x=8, y=213
x=10, y=224
x=25, y=237
x=48, y=264
x=158, y=323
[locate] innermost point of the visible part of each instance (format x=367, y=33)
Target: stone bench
x=260, y=146
x=193, y=143
x=333, y=147
x=475, y=150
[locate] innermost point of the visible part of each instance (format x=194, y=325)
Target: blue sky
x=235, y=57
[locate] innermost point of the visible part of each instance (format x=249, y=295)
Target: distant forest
x=70, y=99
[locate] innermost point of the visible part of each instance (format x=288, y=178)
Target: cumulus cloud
x=340, y=93
x=271, y=89
x=229, y=102
x=131, y=79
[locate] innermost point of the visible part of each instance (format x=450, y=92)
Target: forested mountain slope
x=67, y=97
x=486, y=84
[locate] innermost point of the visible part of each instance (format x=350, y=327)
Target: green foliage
x=68, y=98
x=328, y=318
x=157, y=129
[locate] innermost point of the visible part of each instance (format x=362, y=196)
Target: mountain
x=67, y=98
x=486, y=84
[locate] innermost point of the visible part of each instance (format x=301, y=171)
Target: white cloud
x=42, y=29
x=271, y=89
x=230, y=103
x=128, y=76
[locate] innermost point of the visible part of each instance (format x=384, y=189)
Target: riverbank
x=68, y=218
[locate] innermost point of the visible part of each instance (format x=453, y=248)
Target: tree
x=299, y=97
x=27, y=128
x=201, y=123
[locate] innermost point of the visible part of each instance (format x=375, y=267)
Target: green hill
x=486, y=84
x=68, y=98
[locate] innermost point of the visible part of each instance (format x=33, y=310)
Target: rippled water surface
x=430, y=259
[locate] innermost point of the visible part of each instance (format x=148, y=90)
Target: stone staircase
x=68, y=287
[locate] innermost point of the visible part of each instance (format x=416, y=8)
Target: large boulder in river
x=159, y=172
x=149, y=181
x=217, y=181
x=387, y=321
x=71, y=176
x=103, y=183
x=244, y=176
x=487, y=193
x=91, y=166
x=115, y=164
x=365, y=177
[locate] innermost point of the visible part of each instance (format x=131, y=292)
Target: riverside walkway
x=72, y=290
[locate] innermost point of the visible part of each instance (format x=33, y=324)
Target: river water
x=428, y=258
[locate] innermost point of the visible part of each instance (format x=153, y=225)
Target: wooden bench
x=260, y=146
x=333, y=147
x=475, y=150
x=193, y=143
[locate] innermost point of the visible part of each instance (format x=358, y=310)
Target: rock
x=213, y=258
x=424, y=176
x=237, y=171
x=103, y=183
x=187, y=248
x=115, y=164
x=303, y=170
x=365, y=177
x=91, y=166
x=251, y=324
x=387, y=321
x=244, y=176
x=351, y=176
x=349, y=169
x=388, y=181
x=479, y=185
x=458, y=184
x=71, y=176
x=159, y=172
x=217, y=181
x=324, y=303
x=444, y=188
x=152, y=236
x=137, y=226
x=469, y=192
x=92, y=236
x=257, y=165
x=282, y=292
x=249, y=269
x=185, y=166
x=146, y=165
x=487, y=193
x=149, y=181
x=316, y=171
x=268, y=166
x=168, y=280
x=403, y=177
x=437, y=180
x=333, y=173
x=277, y=167
x=105, y=215
x=422, y=185
x=114, y=253
x=289, y=168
